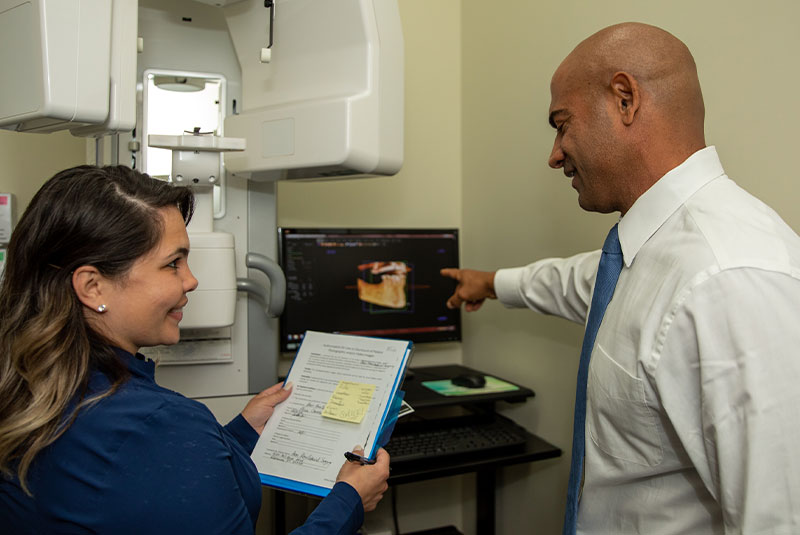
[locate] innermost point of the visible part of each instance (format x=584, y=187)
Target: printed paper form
x=298, y=443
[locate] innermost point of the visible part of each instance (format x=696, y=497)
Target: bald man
x=692, y=404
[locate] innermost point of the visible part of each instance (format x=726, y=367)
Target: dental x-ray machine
x=226, y=96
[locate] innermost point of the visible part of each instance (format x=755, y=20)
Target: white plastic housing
x=213, y=264
x=330, y=101
x=122, y=76
x=55, y=60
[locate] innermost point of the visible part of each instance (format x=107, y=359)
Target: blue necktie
x=607, y=275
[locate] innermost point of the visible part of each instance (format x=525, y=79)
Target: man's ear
x=627, y=99
x=88, y=284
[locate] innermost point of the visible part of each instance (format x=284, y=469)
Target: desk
x=420, y=397
x=431, y=406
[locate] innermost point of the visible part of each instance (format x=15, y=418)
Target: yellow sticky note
x=349, y=402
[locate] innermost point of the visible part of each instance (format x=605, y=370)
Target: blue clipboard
x=386, y=426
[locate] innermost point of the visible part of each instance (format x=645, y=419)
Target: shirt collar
x=138, y=364
x=669, y=193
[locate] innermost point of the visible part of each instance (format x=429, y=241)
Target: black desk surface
x=420, y=397
x=424, y=399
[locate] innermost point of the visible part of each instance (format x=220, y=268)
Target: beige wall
x=27, y=160
x=516, y=209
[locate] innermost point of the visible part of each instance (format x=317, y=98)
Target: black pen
x=350, y=456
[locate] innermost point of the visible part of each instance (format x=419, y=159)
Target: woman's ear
x=89, y=284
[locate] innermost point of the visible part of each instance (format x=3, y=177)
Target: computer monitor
x=370, y=282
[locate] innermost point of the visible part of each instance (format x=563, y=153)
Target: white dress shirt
x=693, y=398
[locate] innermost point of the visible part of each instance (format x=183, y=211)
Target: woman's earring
x=101, y=309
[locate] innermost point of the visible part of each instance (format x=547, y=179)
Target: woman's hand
x=260, y=408
x=369, y=480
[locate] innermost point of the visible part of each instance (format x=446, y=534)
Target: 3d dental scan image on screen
x=369, y=282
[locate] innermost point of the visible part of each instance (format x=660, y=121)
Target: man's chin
x=589, y=206
x=585, y=203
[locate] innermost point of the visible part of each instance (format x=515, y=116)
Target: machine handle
x=277, y=283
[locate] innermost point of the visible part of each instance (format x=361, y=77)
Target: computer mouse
x=469, y=380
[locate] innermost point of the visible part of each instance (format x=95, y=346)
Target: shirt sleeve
x=243, y=432
x=727, y=377
x=555, y=286
x=340, y=513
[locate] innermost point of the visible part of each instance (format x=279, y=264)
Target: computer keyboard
x=450, y=440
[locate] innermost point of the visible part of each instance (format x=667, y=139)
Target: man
x=692, y=403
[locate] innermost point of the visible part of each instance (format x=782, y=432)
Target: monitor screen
x=370, y=282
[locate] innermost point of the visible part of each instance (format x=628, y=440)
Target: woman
x=96, y=269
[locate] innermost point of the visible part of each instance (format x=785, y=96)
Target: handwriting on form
x=314, y=462
x=349, y=401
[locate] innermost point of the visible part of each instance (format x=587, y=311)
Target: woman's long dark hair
x=104, y=217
